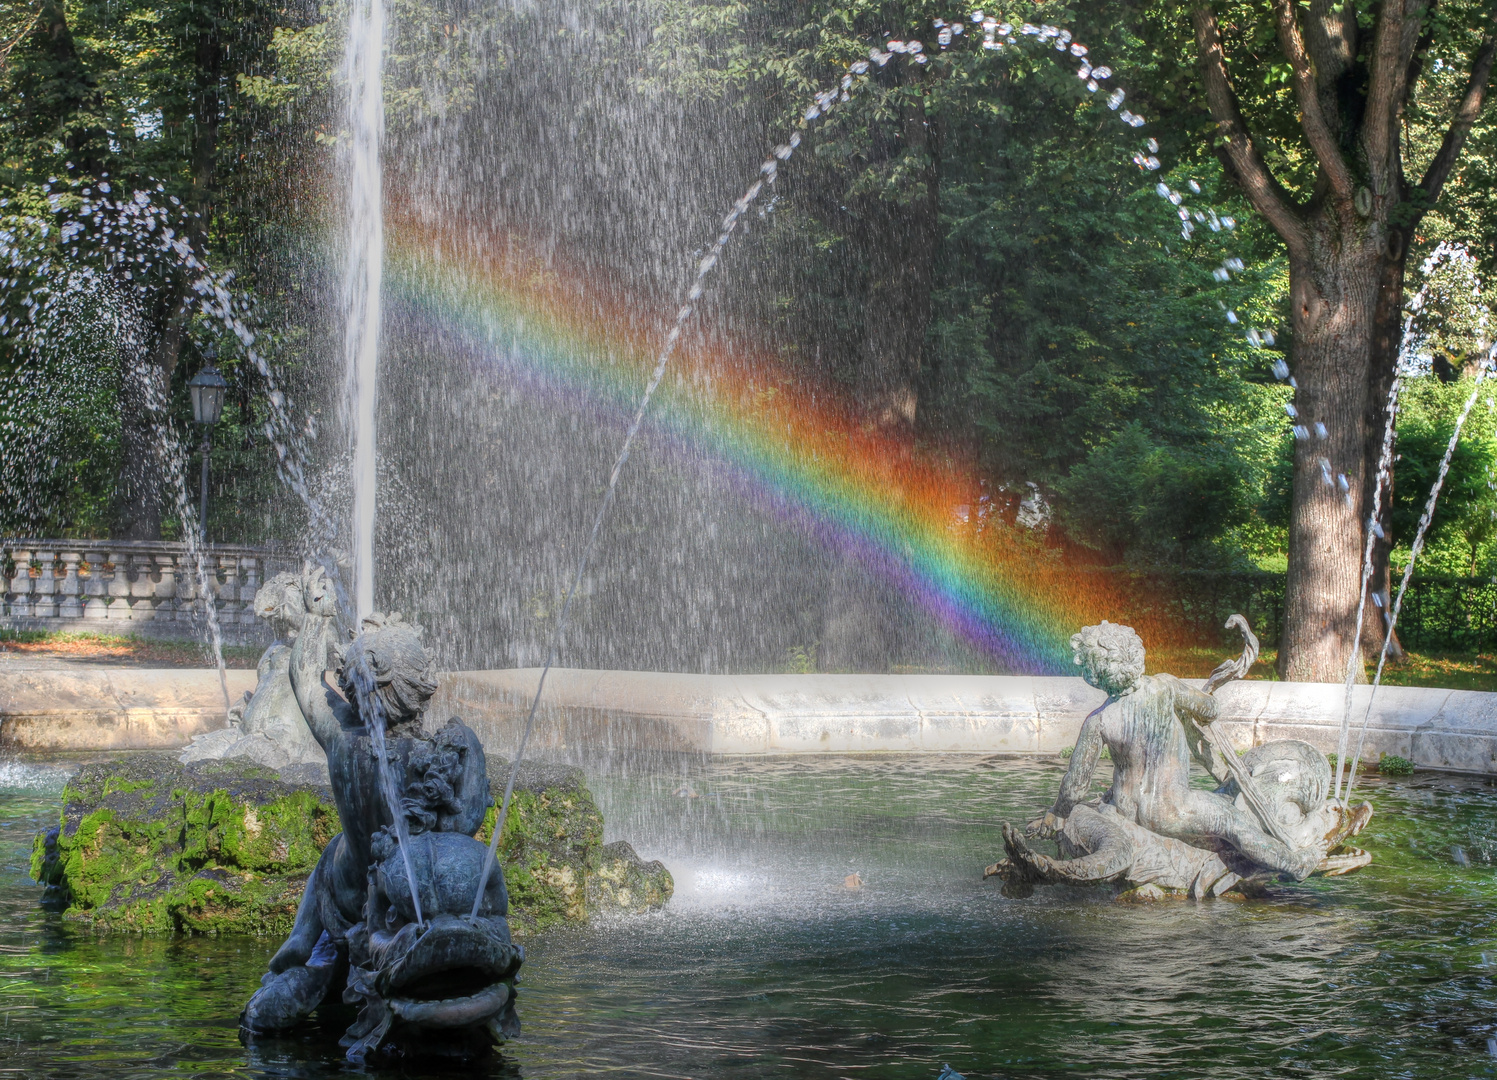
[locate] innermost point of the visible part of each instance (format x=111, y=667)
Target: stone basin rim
x=112, y=709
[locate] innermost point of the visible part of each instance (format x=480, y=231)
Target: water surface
x=765, y=964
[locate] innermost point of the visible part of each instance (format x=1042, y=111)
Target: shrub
x=1393, y=765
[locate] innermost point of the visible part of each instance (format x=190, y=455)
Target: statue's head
x=1111, y=657
x=279, y=602
x=399, y=665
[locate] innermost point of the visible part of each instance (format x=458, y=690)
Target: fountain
x=829, y=916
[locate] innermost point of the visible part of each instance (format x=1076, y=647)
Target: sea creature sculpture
x=388, y=922
x=1153, y=834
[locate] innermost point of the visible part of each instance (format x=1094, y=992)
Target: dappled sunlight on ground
x=121, y=648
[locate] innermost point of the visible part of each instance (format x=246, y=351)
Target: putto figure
x=1152, y=833
x=358, y=928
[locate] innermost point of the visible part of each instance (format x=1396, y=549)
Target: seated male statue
x=1149, y=724
x=441, y=778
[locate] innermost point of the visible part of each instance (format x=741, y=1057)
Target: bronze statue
x=404, y=946
x=1153, y=831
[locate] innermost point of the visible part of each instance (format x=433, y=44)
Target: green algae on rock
x=553, y=854
x=625, y=882
x=149, y=845
x=146, y=844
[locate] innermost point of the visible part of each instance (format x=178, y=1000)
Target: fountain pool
x=765, y=963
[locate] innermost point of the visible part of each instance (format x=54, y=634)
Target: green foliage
x=1393, y=765
x=1463, y=530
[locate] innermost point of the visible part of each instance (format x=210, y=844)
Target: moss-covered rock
x=624, y=882
x=555, y=864
x=225, y=846
x=147, y=844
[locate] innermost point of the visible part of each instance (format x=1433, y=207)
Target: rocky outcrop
x=147, y=844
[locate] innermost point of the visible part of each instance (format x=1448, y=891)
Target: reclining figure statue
x=1152, y=833
x=267, y=726
x=359, y=928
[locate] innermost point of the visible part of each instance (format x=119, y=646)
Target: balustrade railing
x=130, y=585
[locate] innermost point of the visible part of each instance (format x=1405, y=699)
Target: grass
x=126, y=647
x=1448, y=671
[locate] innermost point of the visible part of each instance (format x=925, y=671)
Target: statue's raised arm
x=325, y=712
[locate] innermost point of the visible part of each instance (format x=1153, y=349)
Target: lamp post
x=208, y=388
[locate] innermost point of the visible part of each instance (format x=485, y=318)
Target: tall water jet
x=363, y=64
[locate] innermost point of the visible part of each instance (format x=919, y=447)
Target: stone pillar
x=119, y=586
x=44, y=587
x=142, y=588
x=69, y=588
x=20, y=585
x=95, y=588
x=189, y=600
x=251, y=568
x=166, y=588
x=228, y=596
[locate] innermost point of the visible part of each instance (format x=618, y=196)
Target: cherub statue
x=1270, y=816
x=359, y=916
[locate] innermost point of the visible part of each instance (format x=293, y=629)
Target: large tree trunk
x=1387, y=345
x=1346, y=237
x=1334, y=306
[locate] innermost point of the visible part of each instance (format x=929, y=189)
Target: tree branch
x=1241, y=154
x=1393, y=47
x=1465, y=114
x=5, y=49
x=1317, y=131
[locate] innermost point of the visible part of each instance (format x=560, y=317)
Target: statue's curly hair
x=398, y=663
x=1118, y=650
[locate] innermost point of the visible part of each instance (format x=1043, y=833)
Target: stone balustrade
x=132, y=585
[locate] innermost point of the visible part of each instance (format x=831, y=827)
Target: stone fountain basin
x=108, y=708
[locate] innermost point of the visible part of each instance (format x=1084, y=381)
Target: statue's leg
x=1204, y=813
x=304, y=968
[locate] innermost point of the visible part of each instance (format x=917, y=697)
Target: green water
x=766, y=965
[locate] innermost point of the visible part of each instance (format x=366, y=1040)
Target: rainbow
x=804, y=452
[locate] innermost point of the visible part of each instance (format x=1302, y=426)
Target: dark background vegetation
x=965, y=251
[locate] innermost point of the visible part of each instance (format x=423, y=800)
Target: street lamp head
x=208, y=388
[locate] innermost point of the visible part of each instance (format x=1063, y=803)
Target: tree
x=1336, y=192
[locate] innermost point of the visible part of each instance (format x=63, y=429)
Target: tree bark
x=1334, y=301
x=1387, y=342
